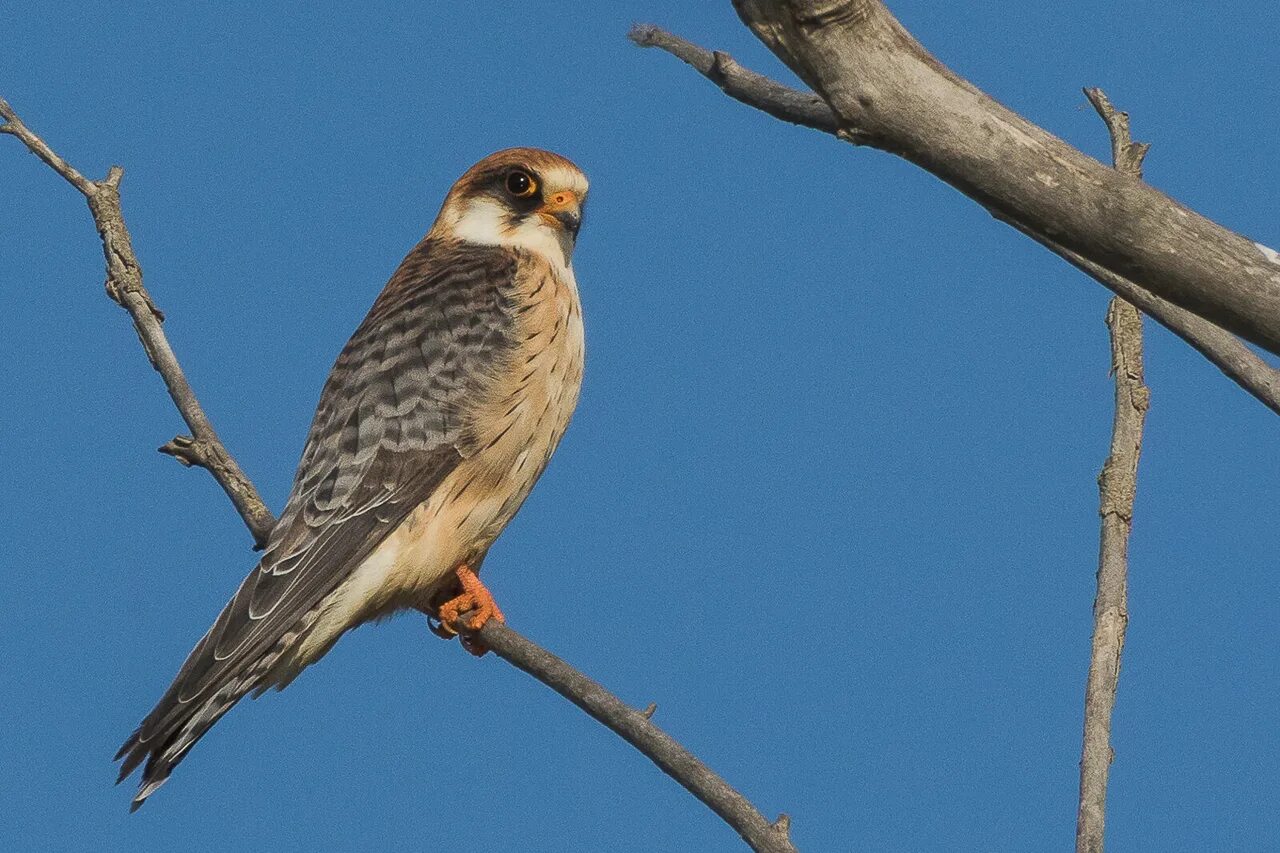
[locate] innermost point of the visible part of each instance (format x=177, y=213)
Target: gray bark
x=888, y=92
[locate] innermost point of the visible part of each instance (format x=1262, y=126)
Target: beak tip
x=571, y=220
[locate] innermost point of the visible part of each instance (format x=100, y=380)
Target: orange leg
x=468, y=611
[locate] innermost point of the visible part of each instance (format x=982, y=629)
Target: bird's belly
x=407, y=567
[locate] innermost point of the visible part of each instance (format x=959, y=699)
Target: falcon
x=440, y=414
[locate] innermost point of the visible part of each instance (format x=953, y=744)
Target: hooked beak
x=563, y=210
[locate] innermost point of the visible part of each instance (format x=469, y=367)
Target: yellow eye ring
x=521, y=184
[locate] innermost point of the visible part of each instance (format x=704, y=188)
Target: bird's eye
x=521, y=184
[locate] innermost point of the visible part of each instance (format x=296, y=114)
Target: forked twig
x=124, y=286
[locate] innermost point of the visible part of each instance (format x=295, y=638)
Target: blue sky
x=829, y=499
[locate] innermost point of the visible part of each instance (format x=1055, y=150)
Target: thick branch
x=888, y=92
x=1223, y=349
x=1117, y=485
x=636, y=728
x=124, y=286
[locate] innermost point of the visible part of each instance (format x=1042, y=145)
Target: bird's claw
x=440, y=629
x=466, y=613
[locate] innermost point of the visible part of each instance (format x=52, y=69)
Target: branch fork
x=1221, y=347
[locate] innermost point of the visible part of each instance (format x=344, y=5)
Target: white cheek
x=484, y=221
x=481, y=221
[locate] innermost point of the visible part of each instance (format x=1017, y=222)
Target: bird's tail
x=163, y=746
x=200, y=695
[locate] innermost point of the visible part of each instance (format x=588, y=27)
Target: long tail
x=166, y=737
x=194, y=701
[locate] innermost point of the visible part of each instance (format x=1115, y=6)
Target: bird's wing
x=392, y=422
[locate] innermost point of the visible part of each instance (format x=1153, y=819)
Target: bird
x=439, y=415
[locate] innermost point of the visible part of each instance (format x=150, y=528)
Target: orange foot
x=468, y=611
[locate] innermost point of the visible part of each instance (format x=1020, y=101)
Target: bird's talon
x=441, y=629
x=467, y=612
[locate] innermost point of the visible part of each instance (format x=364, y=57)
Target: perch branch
x=124, y=285
x=1117, y=486
x=1223, y=349
x=637, y=729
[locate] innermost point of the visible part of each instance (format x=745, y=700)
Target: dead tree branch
x=742, y=84
x=1223, y=349
x=1117, y=486
x=124, y=285
x=636, y=728
x=888, y=92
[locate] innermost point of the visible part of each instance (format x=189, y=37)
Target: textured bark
x=888, y=92
x=1117, y=487
x=879, y=87
x=124, y=286
x=1223, y=349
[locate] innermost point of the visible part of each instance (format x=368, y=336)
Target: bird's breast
x=530, y=404
x=515, y=425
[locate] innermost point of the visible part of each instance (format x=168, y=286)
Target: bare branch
x=14, y=126
x=124, y=285
x=1117, y=486
x=770, y=96
x=637, y=729
x=1126, y=155
x=1219, y=346
x=1223, y=350
x=887, y=91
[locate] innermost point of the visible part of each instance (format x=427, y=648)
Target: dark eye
x=521, y=184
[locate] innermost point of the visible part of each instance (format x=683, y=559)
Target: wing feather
x=391, y=424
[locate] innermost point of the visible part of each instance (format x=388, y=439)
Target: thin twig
x=1223, y=349
x=743, y=84
x=1117, y=485
x=124, y=285
x=1126, y=155
x=637, y=729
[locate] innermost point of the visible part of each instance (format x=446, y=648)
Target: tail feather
x=164, y=750
x=177, y=722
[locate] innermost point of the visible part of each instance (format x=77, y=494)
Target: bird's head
x=523, y=198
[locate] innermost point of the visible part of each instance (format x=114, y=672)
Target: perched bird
x=438, y=417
